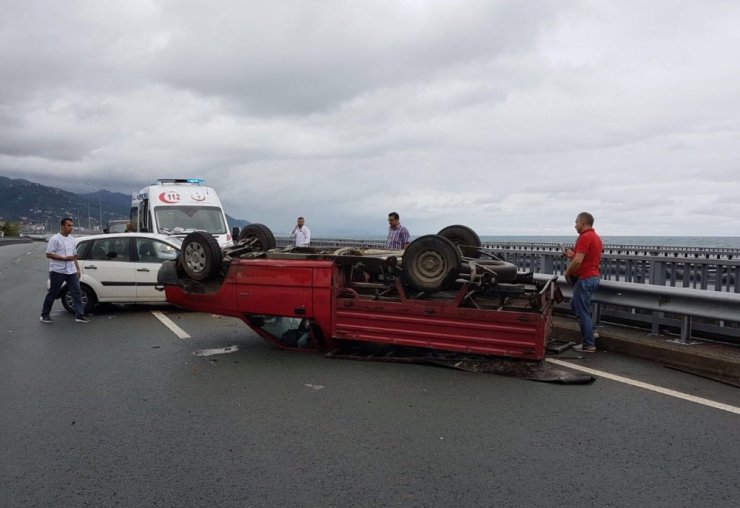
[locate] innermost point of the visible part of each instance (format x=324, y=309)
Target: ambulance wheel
x=431, y=263
x=465, y=238
x=201, y=256
x=258, y=234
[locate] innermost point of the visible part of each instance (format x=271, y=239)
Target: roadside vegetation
x=10, y=229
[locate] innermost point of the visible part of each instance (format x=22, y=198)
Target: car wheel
x=465, y=238
x=87, y=296
x=431, y=263
x=201, y=256
x=259, y=235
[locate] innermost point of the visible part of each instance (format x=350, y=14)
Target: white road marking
x=170, y=324
x=620, y=379
x=647, y=386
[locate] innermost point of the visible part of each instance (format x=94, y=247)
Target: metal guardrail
x=10, y=240
x=688, y=272
x=641, y=250
x=691, y=290
x=620, y=300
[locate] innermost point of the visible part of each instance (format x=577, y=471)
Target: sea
x=712, y=242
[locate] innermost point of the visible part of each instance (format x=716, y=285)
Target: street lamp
x=100, y=208
x=79, y=219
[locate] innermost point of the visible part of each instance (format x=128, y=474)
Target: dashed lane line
x=171, y=325
x=647, y=386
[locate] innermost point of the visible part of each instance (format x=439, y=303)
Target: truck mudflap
x=539, y=370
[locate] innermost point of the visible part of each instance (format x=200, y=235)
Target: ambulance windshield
x=175, y=220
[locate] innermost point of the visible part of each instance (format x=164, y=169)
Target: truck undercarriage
x=442, y=301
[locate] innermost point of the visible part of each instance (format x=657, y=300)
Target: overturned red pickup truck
x=443, y=294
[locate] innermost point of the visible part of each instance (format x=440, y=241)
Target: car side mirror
x=111, y=255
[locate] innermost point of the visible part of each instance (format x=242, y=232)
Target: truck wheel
x=431, y=263
x=201, y=256
x=464, y=237
x=258, y=234
x=87, y=295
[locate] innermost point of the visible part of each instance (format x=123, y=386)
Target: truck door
x=275, y=289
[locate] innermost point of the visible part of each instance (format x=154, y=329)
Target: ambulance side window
x=144, y=216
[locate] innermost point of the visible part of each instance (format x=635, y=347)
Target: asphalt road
x=121, y=412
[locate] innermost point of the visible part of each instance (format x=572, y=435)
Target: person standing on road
x=398, y=236
x=63, y=267
x=301, y=233
x=583, y=272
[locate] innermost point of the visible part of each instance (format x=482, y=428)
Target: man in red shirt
x=583, y=272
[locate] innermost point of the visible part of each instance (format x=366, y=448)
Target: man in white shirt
x=301, y=233
x=63, y=267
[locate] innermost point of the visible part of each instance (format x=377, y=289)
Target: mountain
x=31, y=203
x=239, y=223
x=37, y=206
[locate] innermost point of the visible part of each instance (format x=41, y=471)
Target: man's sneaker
x=584, y=349
x=46, y=319
x=81, y=319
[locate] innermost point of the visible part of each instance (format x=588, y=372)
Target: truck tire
x=431, y=263
x=260, y=235
x=201, y=256
x=87, y=295
x=465, y=238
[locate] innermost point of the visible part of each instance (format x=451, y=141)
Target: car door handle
x=142, y=269
x=90, y=267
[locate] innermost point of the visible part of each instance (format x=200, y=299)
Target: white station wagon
x=121, y=268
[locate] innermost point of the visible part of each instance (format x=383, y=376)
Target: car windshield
x=118, y=227
x=185, y=219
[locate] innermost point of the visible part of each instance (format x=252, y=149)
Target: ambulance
x=178, y=206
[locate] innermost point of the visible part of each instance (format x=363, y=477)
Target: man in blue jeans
x=63, y=267
x=583, y=272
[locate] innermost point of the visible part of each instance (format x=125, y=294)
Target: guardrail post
x=596, y=313
x=548, y=263
x=655, y=323
x=685, y=338
x=658, y=273
x=686, y=330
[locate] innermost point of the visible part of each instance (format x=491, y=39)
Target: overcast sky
x=507, y=116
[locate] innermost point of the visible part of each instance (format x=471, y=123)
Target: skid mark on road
x=647, y=386
x=170, y=324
